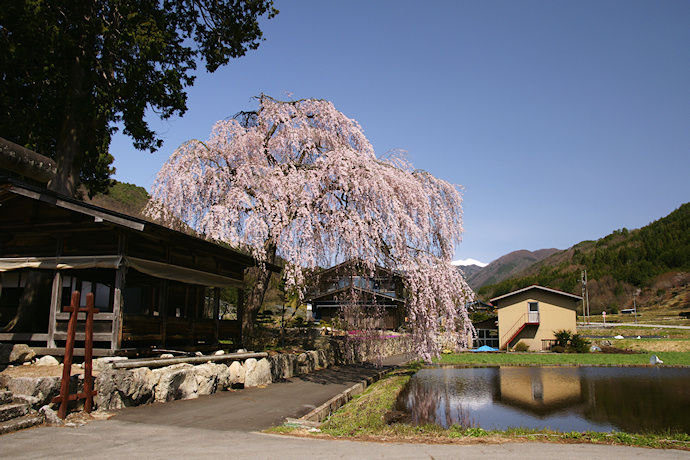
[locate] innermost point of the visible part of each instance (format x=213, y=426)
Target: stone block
x=176, y=382
x=47, y=361
x=5, y=397
x=20, y=423
x=207, y=376
x=125, y=388
x=282, y=366
x=42, y=388
x=17, y=353
x=50, y=416
x=101, y=364
x=236, y=373
x=10, y=411
x=257, y=372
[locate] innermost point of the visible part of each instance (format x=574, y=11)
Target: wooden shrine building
x=154, y=287
x=330, y=289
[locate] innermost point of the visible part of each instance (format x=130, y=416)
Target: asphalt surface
x=226, y=425
x=255, y=409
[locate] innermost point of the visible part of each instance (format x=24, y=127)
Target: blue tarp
x=485, y=348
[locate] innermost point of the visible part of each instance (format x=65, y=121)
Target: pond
x=634, y=400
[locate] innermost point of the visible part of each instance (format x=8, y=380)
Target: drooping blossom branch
x=300, y=178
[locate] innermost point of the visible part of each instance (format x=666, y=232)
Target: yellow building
x=533, y=314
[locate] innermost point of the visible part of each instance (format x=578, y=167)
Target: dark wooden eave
x=13, y=187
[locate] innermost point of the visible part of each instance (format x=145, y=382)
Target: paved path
x=225, y=425
x=115, y=439
x=255, y=409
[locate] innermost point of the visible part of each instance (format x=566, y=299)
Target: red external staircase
x=528, y=319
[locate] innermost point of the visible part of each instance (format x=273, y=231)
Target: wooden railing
x=547, y=344
x=531, y=317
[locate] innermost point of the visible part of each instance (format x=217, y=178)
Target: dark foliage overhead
x=71, y=70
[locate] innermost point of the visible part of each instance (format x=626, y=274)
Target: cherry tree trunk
x=259, y=278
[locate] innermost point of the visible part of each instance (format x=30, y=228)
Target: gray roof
x=541, y=288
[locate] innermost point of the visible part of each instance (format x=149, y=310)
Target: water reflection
x=540, y=391
x=557, y=398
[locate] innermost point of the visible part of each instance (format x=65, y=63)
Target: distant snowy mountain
x=505, y=267
x=466, y=262
x=469, y=267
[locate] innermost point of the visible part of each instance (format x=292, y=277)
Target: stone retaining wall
x=118, y=388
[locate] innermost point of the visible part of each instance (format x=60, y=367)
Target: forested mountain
x=123, y=198
x=507, y=266
x=653, y=262
x=469, y=271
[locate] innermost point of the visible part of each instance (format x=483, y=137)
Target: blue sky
x=562, y=121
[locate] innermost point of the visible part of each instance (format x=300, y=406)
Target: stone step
x=13, y=410
x=5, y=397
x=20, y=423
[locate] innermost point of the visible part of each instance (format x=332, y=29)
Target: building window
x=533, y=312
x=102, y=292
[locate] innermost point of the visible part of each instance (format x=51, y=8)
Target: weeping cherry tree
x=300, y=181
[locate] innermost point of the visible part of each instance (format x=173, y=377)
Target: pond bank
x=370, y=417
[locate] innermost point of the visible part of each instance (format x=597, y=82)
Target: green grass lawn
x=521, y=359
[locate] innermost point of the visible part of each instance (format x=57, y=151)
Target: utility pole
x=585, y=296
x=635, y=307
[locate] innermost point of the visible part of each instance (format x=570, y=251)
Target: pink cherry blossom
x=301, y=177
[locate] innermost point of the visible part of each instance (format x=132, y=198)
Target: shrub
x=569, y=342
x=521, y=346
x=562, y=338
x=578, y=344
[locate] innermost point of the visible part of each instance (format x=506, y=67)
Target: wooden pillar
x=240, y=310
x=116, y=337
x=69, y=351
x=163, y=302
x=118, y=316
x=216, y=314
x=162, y=313
x=88, y=352
x=55, y=306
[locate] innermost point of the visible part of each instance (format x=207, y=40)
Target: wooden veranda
x=154, y=287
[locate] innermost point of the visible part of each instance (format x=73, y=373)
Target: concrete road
x=116, y=439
